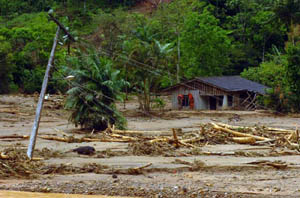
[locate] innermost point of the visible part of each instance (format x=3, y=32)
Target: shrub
x=94, y=90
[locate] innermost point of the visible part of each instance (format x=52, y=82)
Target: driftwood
x=8, y=120
x=142, y=167
x=292, y=145
x=275, y=164
x=239, y=134
x=3, y=156
x=176, y=141
x=244, y=140
x=160, y=140
x=14, y=136
x=172, y=141
x=277, y=130
x=72, y=139
x=264, y=142
x=128, y=138
x=294, y=136
x=193, y=140
x=144, y=133
x=10, y=111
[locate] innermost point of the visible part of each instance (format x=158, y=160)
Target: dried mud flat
x=203, y=163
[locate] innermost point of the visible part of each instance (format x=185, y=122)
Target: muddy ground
x=227, y=171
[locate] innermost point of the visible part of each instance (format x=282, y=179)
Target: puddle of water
x=20, y=194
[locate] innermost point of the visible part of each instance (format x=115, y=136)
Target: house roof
x=234, y=83
x=227, y=83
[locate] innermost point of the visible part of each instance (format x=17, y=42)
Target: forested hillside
x=153, y=45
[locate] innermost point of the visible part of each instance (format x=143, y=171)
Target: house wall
x=203, y=102
x=207, y=89
x=202, y=93
x=198, y=103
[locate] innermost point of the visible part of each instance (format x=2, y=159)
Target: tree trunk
x=292, y=33
x=178, y=60
x=264, y=48
x=146, y=97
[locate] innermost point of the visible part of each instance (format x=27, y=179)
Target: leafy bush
x=33, y=80
x=94, y=90
x=158, y=103
x=5, y=65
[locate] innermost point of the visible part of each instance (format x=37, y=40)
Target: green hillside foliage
x=157, y=46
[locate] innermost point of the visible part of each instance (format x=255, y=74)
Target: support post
x=225, y=102
x=41, y=99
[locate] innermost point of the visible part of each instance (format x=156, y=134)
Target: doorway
x=212, y=103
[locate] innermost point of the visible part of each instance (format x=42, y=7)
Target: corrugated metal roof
x=234, y=83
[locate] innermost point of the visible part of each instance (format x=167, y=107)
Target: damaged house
x=222, y=92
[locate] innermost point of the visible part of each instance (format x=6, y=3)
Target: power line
x=150, y=69
x=247, y=102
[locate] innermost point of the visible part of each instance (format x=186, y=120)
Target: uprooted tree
x=93, y=92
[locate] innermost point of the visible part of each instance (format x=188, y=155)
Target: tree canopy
x=152, y=44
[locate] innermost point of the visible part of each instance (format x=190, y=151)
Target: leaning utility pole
x=39, y=108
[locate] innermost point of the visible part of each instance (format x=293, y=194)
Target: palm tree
x=95, y=89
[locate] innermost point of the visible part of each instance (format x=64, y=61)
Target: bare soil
x=183, y=172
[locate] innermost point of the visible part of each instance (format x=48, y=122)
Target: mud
x=216, y=167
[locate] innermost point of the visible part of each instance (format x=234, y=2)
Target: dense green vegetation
x=154, y=49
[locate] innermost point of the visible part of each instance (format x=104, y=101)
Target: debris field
x=194, y=154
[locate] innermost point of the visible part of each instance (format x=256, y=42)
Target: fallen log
x=239, y=134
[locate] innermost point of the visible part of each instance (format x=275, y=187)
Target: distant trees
x=176, y=41
x=281, y=73
x=288, y=11
x=205, y=45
